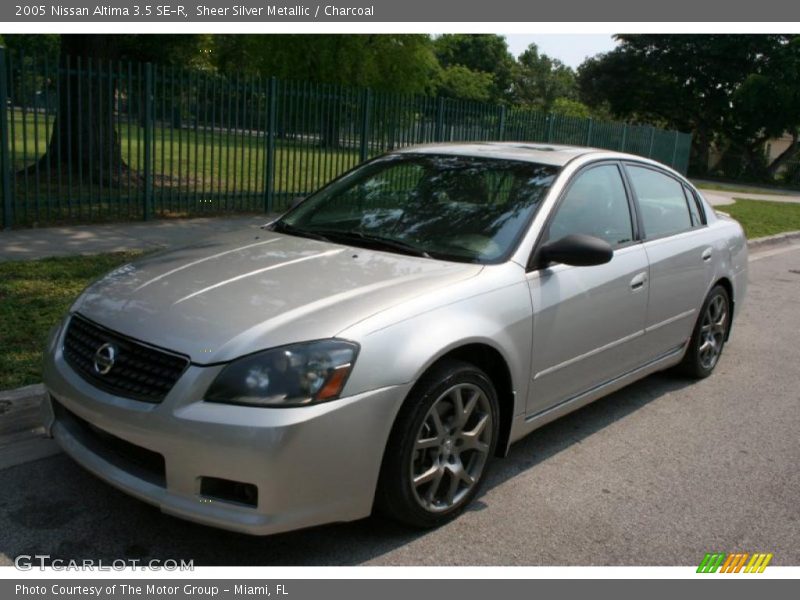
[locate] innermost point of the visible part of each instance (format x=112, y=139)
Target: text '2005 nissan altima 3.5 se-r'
x=379, y=343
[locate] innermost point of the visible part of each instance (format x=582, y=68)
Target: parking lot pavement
x=656, y=474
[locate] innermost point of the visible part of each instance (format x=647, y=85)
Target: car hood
x=220, y=299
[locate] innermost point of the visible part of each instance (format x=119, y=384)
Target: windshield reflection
x=470, y=209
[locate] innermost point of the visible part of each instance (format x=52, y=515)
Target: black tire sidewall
x=692, y=362
x=396, y=496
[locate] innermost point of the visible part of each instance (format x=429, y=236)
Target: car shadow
x=55, y=508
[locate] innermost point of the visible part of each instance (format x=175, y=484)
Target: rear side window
x=694, y=207
x=662, y=202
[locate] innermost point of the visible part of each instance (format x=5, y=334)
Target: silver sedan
x=380, y=343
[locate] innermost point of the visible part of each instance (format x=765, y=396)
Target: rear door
x=588, y=322
x=679, y=251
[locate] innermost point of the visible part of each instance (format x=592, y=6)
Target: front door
x=588, y=322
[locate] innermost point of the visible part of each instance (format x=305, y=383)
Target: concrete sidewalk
x=720, y=198
x=28, y=244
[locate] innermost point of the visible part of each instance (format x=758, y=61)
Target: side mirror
x=578, y=250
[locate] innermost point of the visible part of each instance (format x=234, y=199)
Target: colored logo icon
x=739, y=562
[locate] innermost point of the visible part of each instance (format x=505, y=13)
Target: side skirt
x=526, y=424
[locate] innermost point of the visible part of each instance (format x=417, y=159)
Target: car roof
x=548, y=154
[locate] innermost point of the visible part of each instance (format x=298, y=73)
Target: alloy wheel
x=712, y=332
x=451, y=447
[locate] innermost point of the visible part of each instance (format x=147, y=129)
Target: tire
x=448, y=456
x=708, y=337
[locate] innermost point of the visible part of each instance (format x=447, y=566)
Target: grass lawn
x=194, y=172
x=33, y=296
x=206, y=160
x=760, y=217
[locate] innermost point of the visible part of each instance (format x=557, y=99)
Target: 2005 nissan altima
x=380, y=343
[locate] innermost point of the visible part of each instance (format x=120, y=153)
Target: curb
x=19, y=410
x=770, y=240
x=22, y=436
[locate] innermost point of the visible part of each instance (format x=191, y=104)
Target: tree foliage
x=571, y=108
x=31, y=44
x=457, y=81
x=539, y=81
x=391, y=63
x=733, y=92
x=483, y=53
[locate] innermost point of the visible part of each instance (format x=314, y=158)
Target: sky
x=571, y=49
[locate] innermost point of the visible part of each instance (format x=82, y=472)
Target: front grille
x=139, y=371
x=139, y=462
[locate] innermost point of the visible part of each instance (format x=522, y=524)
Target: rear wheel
x=709, y=335
x=440, y=447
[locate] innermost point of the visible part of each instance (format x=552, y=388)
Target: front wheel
x=440, y=446
x=708, y=337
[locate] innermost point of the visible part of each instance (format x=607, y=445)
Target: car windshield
x=460, y=208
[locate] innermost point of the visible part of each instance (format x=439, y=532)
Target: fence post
x=674, y=151
x=5, y=149
x=686, y=155
x=148, y=141
x=501, y=124
x=366, y=107
x=624, y=137
x=437, y=132
x=589, y=126
x=269, y=186
x=652, y=140
x=550, y=120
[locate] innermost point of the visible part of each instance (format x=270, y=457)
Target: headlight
x=295, y=375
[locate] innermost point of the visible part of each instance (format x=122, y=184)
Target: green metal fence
x=90, y=140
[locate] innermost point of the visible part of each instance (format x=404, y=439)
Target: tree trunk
x=785, y=156
x=699, y=152
x=84, y=137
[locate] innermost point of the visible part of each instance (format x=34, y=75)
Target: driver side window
x=596, y=204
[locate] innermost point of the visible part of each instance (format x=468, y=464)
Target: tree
x=30, y=44
x=73, y=132
x=399, y=63
x=460, y=82
x=767, y=104
x=731, y=91
x=540, y=80
x=571, y=108
x=95, y=148
x=483, y=53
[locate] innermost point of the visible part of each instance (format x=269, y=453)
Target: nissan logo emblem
x=104, y=358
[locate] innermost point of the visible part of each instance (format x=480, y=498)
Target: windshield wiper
x=374, y=241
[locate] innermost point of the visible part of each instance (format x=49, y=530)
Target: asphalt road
x=656, y=474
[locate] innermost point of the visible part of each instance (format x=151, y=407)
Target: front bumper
x=310, y=465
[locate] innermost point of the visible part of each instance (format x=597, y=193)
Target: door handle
x=638, y=281
x=706, y=256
